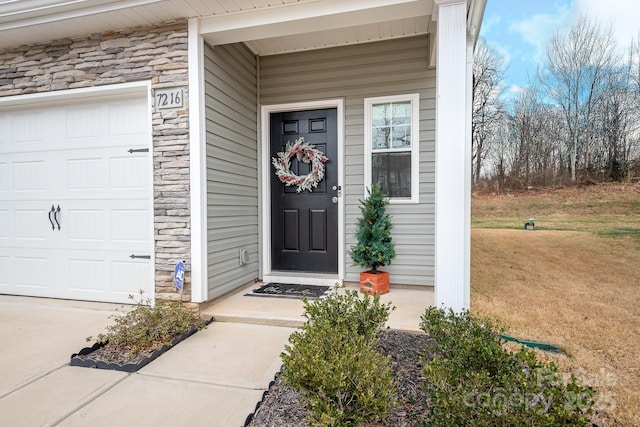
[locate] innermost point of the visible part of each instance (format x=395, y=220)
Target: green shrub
x=474, y=381
x=146, y=327
x=350, y=313
x=375, y=247
x=334, y=361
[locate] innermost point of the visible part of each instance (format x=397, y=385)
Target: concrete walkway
x=214, y=378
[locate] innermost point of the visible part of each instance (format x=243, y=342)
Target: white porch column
x=198, y=166
x=453, y=186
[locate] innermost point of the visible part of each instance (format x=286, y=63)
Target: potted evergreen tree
x=375, y=247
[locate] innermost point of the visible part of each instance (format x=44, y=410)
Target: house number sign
x=170, y=99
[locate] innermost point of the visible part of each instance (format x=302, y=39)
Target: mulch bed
x=281, y=405
x=117, y=357
x=114, y=354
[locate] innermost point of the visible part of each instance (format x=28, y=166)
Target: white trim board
x=198, y=166
x=414, y=99
x=143, y=87
x=265, y=190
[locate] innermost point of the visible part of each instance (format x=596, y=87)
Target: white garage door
x=75, y=203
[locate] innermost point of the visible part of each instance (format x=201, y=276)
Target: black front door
x=304, y=226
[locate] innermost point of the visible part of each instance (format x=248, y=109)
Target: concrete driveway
x=214, y=378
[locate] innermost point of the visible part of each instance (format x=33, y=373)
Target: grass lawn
x=574, y=281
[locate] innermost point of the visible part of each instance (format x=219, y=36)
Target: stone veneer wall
x=157, y=54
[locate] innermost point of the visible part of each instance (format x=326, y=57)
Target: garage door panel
x=75, y=155
x=108, y=276
x=28, y=176
x=123, y=225
x=85, y=173
x=86, y=121
x=32, y=270
x=5, y=135
x=127, y=118
x=86, y=225
x=26, y=224
x=7, y=277
x=89, y=175
x=5, y=225
x=97, y=276
x=129, y=173
x=110, y=122
x=88, y=275
x=129, y=226
x=4, y=178
x=27, y=127
x=127, y=275
x=33, y=224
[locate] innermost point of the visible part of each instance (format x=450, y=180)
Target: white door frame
x=265, y=185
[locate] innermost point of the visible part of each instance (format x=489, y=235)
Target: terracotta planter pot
x=374, y=283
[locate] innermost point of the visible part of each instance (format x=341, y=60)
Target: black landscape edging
x=129, y=367
x=249, y=419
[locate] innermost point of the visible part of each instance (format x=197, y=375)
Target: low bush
x=474, y=381
x=334, y=361
x=148, y=327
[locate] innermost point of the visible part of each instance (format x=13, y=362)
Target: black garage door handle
x=55, y=216
x=52, y=211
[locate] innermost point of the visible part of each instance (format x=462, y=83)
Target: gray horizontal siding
x=354, y=73
x=232, y=162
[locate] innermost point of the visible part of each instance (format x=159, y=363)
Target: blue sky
x=521, y=29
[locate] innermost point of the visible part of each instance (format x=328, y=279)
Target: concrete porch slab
x=143, y=400
x=226, y=354
x=240, y=308
x=410, y=303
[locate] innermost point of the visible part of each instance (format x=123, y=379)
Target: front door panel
x=304, y=226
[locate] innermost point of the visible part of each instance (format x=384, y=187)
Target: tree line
x=578, y=119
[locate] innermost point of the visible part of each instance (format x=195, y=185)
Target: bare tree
x=575, y=76
x=488, y=74
x=632, y=146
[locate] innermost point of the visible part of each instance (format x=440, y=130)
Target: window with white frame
x=392, y=146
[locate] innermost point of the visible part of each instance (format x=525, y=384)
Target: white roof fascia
x=474, y=18
x=43, y=12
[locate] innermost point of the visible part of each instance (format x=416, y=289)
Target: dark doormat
x=289, y=290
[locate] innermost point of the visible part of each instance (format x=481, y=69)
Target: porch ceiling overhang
x=267, y=26
x=313, y=25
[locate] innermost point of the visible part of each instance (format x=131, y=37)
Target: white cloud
x=538, y=29
x=621, y=14
x=489, y=23
x=501, y=49
x=513, y=92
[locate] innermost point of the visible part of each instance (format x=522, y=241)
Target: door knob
x=334, y=199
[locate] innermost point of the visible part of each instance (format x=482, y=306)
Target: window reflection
x=393, y=172
x=391, y=147
x=391, y=125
